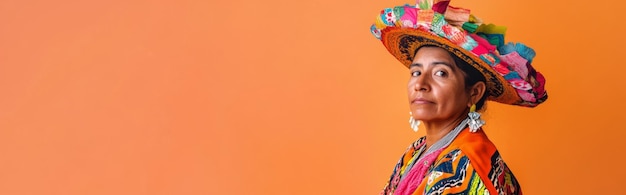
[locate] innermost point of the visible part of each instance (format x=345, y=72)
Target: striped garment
x=471, y=164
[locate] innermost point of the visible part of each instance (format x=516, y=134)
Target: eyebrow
x=434, y=63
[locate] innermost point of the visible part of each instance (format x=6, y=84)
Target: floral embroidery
x=407, y=23
x=521, y=84
x=375, y=31
x=389, y=17
x=433, y=175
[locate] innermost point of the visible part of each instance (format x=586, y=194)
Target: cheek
x=410, y=85
x=452, y=94
x=460, y=98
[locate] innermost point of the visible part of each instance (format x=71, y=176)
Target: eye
x=441, y=73
x=415, y=73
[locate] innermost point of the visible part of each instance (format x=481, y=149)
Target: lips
x=421, y=101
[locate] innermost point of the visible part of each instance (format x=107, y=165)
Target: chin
x=422, y=117
x=422, y=113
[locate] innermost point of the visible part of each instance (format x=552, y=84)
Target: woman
x=455, y=65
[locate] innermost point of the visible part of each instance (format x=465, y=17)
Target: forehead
x=432, y=53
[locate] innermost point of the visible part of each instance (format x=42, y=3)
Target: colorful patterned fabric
x=414, y=151
x=469, y=165
x=413, y=175
x=511, y=79
x=411, y=168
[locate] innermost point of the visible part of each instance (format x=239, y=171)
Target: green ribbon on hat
x=470, y=27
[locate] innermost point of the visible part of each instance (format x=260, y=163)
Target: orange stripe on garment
x=479, y=150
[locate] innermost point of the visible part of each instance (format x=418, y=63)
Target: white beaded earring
x=475, y=122
x=414, y=123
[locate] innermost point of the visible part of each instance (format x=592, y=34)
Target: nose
x=422, y=83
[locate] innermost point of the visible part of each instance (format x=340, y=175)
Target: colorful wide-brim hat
x=507, y=67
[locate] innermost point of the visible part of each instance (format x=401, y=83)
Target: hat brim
x=402, y=43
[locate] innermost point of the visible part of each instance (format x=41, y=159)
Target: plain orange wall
x=278, y=97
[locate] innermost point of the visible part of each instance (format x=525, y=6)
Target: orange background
x=278, y=97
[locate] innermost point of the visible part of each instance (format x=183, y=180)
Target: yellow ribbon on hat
x=379, y=23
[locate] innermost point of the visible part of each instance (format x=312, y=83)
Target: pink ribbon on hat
x=517, y=63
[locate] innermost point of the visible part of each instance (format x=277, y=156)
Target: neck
x=435, y=130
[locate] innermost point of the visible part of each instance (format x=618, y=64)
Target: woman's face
x=436, y=87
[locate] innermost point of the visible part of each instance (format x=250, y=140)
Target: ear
x=476, y=92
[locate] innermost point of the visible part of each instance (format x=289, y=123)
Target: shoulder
x=476, y=143
x=487, y=162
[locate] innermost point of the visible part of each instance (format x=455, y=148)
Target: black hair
x=471, y=74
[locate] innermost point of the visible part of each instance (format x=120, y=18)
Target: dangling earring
x=475, y=122
x=414, y=123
